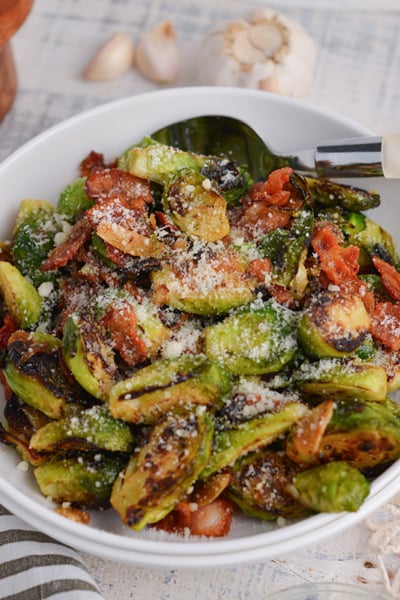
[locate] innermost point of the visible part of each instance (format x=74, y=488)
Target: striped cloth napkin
x=33, y=566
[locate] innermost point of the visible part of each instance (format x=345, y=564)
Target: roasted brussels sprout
x=330, y=193
x=165, y=467
x=74, y=200
x=364, y=434
x=34, y=373
x=331, y=488
x=92, y=428
x=196, y=207
x=33, y=238
x=208, y=280
x=254, y=434
x=342, y=379
x=333, y=325
x=88, y=357
x=258, y=486
x=157, y=162
x=21, y=297
x=253, y=341
x=371, y=238
x=85, y=480
x=168, y=384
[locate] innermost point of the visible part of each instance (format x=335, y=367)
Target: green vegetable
x=164, y=468
x=92, y=428
x=254, y=434
x=333, y=325
x=74, y=200
x=22, y=299
x=253, y=341
x=86, y=480
x=168, y=384
x=331, y=488
x=34, y=373
x=330, y=193
x=33, y=239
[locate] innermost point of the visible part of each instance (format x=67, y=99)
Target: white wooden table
x=357, y=74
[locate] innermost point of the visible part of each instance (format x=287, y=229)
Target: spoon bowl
x=231, y=137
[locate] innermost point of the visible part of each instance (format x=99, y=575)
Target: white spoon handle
x=391, y=155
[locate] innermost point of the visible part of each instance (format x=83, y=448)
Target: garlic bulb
x=113, y=59
x=157, y=55
x=265, y=51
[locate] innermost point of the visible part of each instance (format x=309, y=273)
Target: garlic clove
x=157, y=56
x=266, y=51
x=113, y=59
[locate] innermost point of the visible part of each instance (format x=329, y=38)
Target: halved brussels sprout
x=74, y=200
x=85, y=480
x=253, y=341
x=92, y=428
x=331, y=488
x=254, y=434
x=168, y=384
x=34, y=373
x=258, y=486
x=33, y=239
x=331, y=194
x=364, y=434
x=195, y=206
x=208, y=280
x=371, y=238
x=333, y=325
x=157, y=162
x=342, y=379
x=89, y=358
x=166, y=466
x=21, y=297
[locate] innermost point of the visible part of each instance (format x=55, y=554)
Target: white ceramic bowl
x=41, y=169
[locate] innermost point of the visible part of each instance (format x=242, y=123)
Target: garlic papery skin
x=113, y=59
x=157, y=56
x=266, y=51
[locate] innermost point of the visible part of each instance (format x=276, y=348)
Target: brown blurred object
x=12, y=15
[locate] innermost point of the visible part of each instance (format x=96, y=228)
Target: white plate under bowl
x=41, y=169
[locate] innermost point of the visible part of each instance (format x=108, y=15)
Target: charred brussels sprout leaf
x=196, y=207
x=87, y=356
x=333, y=325
x=33, y=238
x=253, y=341
x=162, y=471
x=329, y=193
x=342, y=379
x=21, y=297
x=212, y=281
x=85, y=480
x=371, y=238
x=33, y=372
x=231, y=444
x=168, y=384
x=157, y=162
x=74, y=200
x=334, y=487
x=91, y=428
x=258, y=486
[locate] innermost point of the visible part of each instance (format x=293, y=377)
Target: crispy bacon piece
x=390, y=277
x=62, y=254
x=210, y=520
x=121, y=321
x=385, y=325
x=260, y=268
x=6, y=330
x=105, y=183
x=93, y=159
x=339, y=263
x=272, y=192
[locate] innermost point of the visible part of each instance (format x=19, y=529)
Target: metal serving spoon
x=350, y=157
